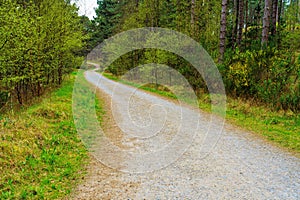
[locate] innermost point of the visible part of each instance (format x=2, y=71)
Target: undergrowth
x=41, y=155
x=280, y=127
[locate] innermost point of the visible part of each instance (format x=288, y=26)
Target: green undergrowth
x=147, y=87
x=41, y=155
x=279, y=127
x=282, y=128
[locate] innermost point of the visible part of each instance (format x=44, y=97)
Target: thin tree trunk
x=235, y=29
x=274, y=17
x=298, y=13
x=266, y=23
x=157, y=13
x=193, y=17
x=279, y=12
x=223, y=31
x=279, y=21
x=6, y=40
x=136, y=3
x=241, y=22
x=247, y=18
x=19, y=95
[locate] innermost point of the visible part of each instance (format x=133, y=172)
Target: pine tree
x=223, y=31
x=266, y=23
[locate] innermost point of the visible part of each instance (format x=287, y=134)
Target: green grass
x=281, y=128
x=41, y=155
x=141, y=86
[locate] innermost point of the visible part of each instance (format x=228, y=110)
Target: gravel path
x=164, y=152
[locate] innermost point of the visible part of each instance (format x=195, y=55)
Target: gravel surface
x=168, y=151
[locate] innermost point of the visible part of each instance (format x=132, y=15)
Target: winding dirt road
x=164, y=152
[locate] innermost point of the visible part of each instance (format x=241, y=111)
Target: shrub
x=269, y=75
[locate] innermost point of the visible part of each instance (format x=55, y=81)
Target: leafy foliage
x=270, y=75
x=260, y=58
x=39, y=44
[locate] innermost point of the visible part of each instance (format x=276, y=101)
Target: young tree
x=41, y=39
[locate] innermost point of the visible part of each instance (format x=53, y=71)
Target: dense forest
x=255, y=44
x=40, y=43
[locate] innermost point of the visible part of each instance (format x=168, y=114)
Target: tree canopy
x=40, y=43
x=254, y=42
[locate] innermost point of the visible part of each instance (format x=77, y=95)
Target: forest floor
x=155, y=161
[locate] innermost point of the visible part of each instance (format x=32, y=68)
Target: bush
x=269, y=75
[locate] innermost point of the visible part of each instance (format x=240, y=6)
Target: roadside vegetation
x=40, y=43
x=254, y=43
x=282, y=128
x=42, y=156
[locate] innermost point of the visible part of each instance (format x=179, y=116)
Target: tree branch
x=4, y=44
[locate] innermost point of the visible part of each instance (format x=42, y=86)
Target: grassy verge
x=41, y=156
x=144, y=87
x=281, y=128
